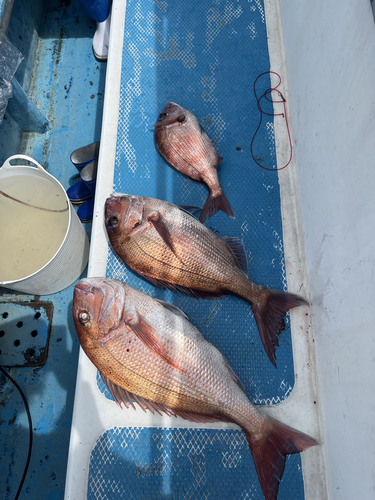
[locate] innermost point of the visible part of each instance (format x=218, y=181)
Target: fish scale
x=178, y=369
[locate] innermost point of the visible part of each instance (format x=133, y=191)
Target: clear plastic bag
x=10, y=59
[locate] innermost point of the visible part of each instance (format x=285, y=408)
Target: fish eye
x=162, y=116
x=137, y=224
x=113, y=221
x=83, y=317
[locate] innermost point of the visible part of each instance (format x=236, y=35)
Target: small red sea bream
x=148, y=351
x=169, y=247
x=182, y=141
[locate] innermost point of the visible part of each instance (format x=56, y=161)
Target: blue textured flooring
x=68, y=86
x=176, y=464
x=204, y=56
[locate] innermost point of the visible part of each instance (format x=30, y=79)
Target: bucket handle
x=7, y=164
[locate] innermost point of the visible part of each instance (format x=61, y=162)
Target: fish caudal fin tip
x=269, y=454
x=269, y=312
x=213, y=204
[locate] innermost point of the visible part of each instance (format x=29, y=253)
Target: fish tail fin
x=269, y=311
x=215, y=202
x=269, y=453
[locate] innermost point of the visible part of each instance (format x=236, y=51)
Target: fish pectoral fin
x=145, y=332
x=155, y=218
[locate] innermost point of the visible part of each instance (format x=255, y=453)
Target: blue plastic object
x=78, y=193
x=88, y=176
x=86, y=210
x=84, y=155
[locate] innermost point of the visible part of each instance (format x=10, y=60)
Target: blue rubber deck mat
x=180, y=464
x=205, y=56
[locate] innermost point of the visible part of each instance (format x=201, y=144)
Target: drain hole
x=19, y=324
x=34, y=333
x=2, y=333
x=37, y=315
x=17, y=343
x=31, y=352
x=5, y=315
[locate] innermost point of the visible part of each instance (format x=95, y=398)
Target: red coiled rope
x=283, y=101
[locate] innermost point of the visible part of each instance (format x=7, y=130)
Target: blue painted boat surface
x=61, y=76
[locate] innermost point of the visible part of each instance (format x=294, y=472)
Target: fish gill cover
x=205, y=56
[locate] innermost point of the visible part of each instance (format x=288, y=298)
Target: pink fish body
x=147, y=350
x=182, y=141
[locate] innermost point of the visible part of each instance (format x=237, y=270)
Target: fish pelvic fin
x=270, y=450
x=214, y=203
x=269, y=312
x=145, y=332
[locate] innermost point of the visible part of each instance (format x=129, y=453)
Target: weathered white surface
x=330, y=61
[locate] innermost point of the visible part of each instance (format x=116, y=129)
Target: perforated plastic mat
x=24, y=333
x=205, y=56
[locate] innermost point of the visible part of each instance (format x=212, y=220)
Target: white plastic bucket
x=70, y=259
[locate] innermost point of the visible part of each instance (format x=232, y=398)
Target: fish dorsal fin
x=145, y=332
x=190, y=209
x=121, y=395
x=238, y=250
x=171, y=307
